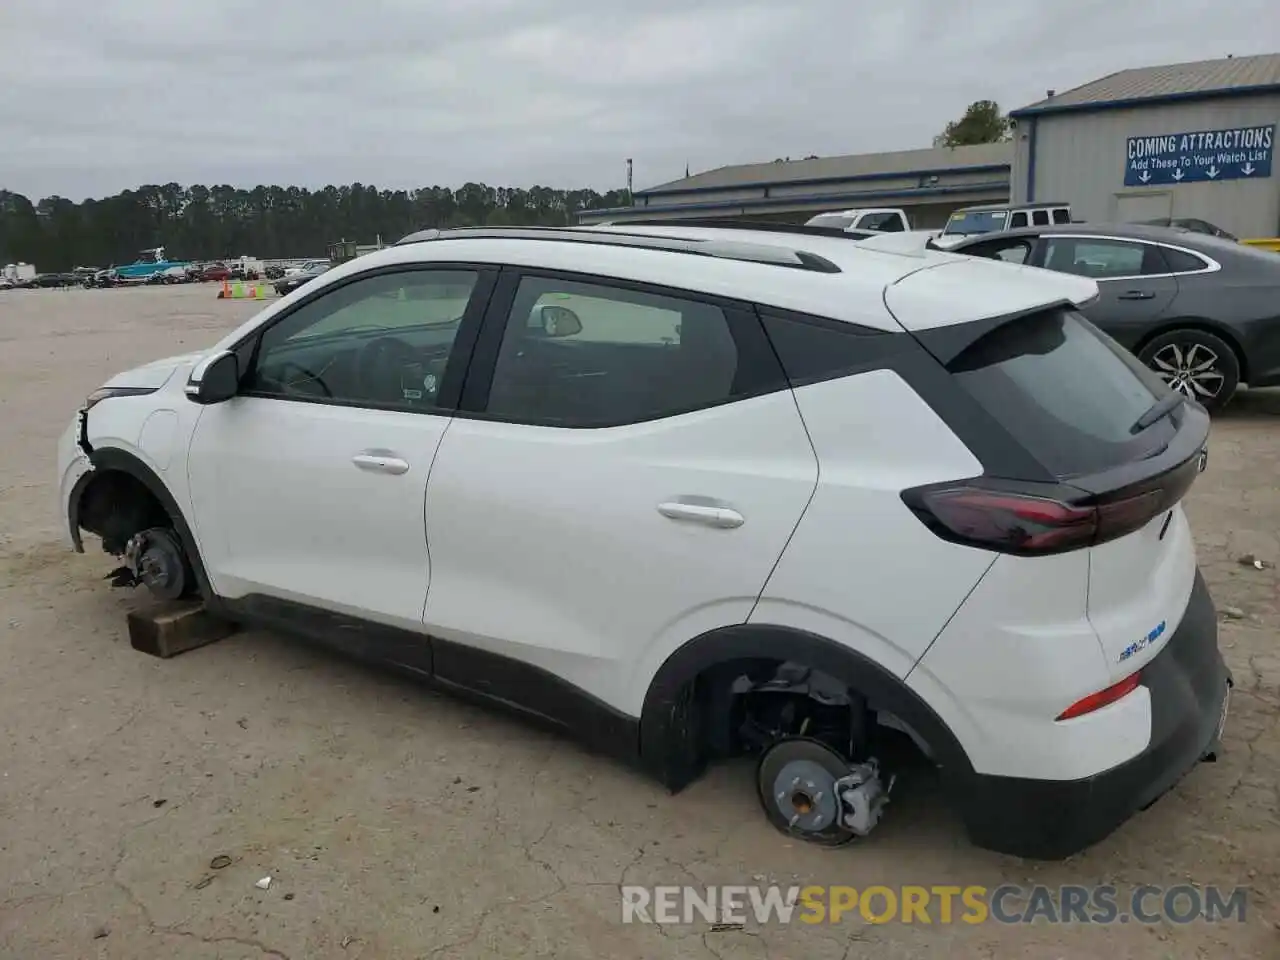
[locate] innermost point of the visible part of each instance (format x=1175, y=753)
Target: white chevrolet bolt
x=692, y=492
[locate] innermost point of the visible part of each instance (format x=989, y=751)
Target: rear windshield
x=977, y=221
x=1065, y=391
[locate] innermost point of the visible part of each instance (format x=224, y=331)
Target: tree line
x=210, y=223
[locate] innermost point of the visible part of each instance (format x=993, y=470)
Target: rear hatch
x=1100, y=454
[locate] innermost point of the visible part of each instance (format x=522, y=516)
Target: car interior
x=382, y=341
x=629, y=357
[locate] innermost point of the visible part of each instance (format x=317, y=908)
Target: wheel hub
x=155, y=558
x=805, y=796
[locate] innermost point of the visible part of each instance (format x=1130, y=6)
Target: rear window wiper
x=1160, y=408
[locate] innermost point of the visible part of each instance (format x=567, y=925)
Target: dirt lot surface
x=396, y=822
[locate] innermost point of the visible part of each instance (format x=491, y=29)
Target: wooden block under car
x=169, y=629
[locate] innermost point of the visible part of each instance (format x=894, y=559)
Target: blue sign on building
x=1240, y=153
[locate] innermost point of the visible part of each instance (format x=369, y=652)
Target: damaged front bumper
x=74, y=471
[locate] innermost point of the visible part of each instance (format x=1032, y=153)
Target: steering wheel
x=380, y=368
x=288, y=383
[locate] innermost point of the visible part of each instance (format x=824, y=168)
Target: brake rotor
x=796, y=779
x=160, y=566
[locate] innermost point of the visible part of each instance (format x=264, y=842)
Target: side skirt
x=474, y=675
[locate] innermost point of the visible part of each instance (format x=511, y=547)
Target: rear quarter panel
x=861, y=569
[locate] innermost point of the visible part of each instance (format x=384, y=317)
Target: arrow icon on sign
x=1212, y=172
x=1144, y=176
x=1177, y=174
x=1248, y=169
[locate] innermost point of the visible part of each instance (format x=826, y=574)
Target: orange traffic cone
x=226, y=289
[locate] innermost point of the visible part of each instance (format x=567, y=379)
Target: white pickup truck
x=879, y=219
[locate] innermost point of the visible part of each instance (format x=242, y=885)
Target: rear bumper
x=1052, y=819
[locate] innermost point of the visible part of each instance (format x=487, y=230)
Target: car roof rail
x=764, y=226
x=698, y=246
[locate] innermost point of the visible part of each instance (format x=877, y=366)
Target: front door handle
x=1136, y=295
x=722, y=518
x=380, y=463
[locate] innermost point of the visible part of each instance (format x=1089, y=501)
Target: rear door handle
x=1136, y=295
x=380, y=463
x=722, y=518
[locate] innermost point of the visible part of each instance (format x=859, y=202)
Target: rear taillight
x=1096, y=701
x=1028, y=524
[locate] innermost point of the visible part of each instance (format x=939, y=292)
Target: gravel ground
x=397, y=822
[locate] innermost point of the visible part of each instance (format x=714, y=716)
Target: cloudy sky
x=101, y=95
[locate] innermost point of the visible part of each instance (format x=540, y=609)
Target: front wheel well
x=1204, y=326
x=115, y=506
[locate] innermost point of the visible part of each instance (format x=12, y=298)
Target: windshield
x=973, y=222
x=837, y=220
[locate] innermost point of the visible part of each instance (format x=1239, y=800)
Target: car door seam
x=817, y=479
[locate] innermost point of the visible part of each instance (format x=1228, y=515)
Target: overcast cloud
x=100, y=95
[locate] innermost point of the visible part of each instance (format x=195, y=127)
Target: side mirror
x=559, y=321
x=214, y=380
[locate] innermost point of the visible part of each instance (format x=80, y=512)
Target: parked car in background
x=303, y=267
x=1202, y=312
x=56, y=280
x=216, y=271
x=992, y=218
x=1194, y=224
x=881, y=219
x=291, y=282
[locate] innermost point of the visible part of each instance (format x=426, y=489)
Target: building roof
x=1201, y=80
x=854, y=166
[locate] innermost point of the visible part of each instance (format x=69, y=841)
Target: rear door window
x=1065, y=391
x=1102, y=259
x=1040, y=218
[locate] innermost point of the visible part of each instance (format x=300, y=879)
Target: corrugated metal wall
x=1080, y=158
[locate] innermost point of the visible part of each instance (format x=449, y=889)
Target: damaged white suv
x=692, y=492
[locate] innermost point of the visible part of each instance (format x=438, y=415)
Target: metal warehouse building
x=1184, y=140
x=927, y=184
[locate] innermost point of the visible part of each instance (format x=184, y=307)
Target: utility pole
x=629, y=165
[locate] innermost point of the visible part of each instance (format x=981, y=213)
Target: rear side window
x=1064, y=390
x=1040, y=218
x=1180, y=261
x=1061, y=215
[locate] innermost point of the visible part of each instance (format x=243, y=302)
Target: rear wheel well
x=733, y=691
x=1226, y=336
x=742, y=706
